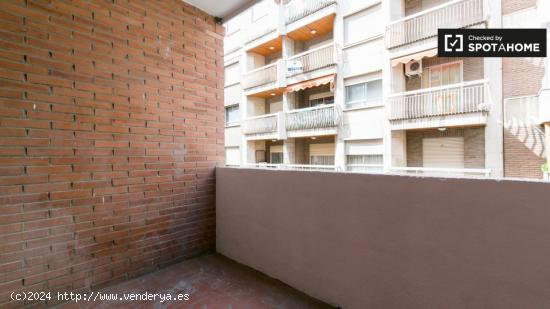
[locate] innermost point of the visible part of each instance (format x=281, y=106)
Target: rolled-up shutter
x=443, y=152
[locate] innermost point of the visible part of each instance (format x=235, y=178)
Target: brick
x=92, y=116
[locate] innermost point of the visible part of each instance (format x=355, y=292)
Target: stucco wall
x=379, y=241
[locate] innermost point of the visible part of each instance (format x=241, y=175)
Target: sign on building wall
x=294, y=67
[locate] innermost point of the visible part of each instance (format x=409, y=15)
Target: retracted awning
x=417, y=56
x=329, y=79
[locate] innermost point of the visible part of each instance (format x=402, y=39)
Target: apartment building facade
x=357, y=86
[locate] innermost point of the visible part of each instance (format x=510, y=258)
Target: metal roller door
x=443, y=152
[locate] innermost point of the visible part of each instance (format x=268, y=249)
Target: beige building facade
x=357, y=86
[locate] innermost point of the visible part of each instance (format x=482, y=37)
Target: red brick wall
x=111, y=123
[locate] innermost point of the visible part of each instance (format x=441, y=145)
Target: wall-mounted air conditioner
x=413, y=67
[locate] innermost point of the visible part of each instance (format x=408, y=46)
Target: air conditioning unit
x=413, y=67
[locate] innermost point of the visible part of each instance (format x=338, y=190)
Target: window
x=442, y=75
x=324, y=98
x=321, y=160
x=321, y=101
x=364, y=93
x=232, y=114
x=276, y=158
x=276, y=154
x=365, y=163
x=321, y=154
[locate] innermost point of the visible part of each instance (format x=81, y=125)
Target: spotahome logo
x=491, y=43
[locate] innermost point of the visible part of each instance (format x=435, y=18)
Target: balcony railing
x=311, y=60
x=423, y=25
x=260, y=124
x=468, y=97
x=302, y=167
x=260, y=76
x=432, y=171
x=298, y=9
x=324, y=116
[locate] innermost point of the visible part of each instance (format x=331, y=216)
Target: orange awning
x=329, y=79
x=417, y=56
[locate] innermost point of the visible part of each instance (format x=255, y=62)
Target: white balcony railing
x=468, y=97
x=323, y=116
x=260, y=124
x=261, y=76
x=298, y=9
x=423, y=25
x=443, y=172
x=311, y=60
x=302, y=167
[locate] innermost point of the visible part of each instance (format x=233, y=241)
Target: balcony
x=299, y=9
x=441, y=172
x=259, y=79
x=311, y=64
x=424, y=25
x=318, y=119
x=294, y=167
x=261, y=125
x=458, y=104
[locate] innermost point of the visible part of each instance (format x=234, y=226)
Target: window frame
x=365, y=102
x=226, y=108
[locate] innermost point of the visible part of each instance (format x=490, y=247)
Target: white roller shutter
x=364, y=147
x=326, y=149
x=443, y=152
x=276, y=148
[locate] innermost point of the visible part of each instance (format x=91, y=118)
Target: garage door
x=443, y=152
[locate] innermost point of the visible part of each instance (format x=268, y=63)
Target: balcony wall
x=378, y=241
x=102, y=158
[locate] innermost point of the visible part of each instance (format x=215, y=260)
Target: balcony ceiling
x=224, y=8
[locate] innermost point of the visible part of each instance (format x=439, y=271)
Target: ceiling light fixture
x=273, y=94
x=313, y=137
x=442, y=129
x=271, y=47
x=313, y=31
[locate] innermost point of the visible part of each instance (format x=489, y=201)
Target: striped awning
x=329, y=79
x=417, y=56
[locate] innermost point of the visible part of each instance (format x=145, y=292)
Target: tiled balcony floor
x=212, y=281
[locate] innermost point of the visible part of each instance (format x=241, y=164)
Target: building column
x=289, y=151
x=393, y=81
x=543, y=7
x=494, y=130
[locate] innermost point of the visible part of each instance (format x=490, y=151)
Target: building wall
x=523, y=140
x=111, y=117
x=380, y=241
x=474, y=145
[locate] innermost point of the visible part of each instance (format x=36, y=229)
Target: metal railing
x=311, y=60
x=432, y=171
x=260, y=76
x=302, y=167
x=260, y=124
x=323, y=116
x=468, y=97
x=423, y=25
x=298, y=9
